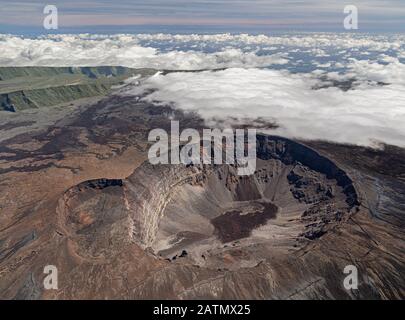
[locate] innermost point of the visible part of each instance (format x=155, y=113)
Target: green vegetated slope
x=7, y=73
x=34, y=87
x=26, y=99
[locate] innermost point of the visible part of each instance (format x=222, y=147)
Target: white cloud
x=121, y=50
x=230, y=50
x=392, y=73
x=312, y=41
x=358, y=116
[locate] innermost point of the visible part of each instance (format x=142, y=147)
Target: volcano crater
x=208, y=215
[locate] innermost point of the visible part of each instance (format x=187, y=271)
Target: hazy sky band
x=374, y=14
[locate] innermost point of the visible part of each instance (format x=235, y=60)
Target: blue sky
x=114, y=16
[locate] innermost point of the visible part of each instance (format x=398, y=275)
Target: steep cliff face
x=36, y=87
x=38, y=98
x=289, y=152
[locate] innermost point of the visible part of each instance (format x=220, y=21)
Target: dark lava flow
x=234, y=225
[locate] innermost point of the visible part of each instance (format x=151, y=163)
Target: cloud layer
x=123, y=50
x=191, y=52
x=363, y=116
x=272, y=77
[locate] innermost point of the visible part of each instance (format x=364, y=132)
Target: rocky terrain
x=77, y=192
